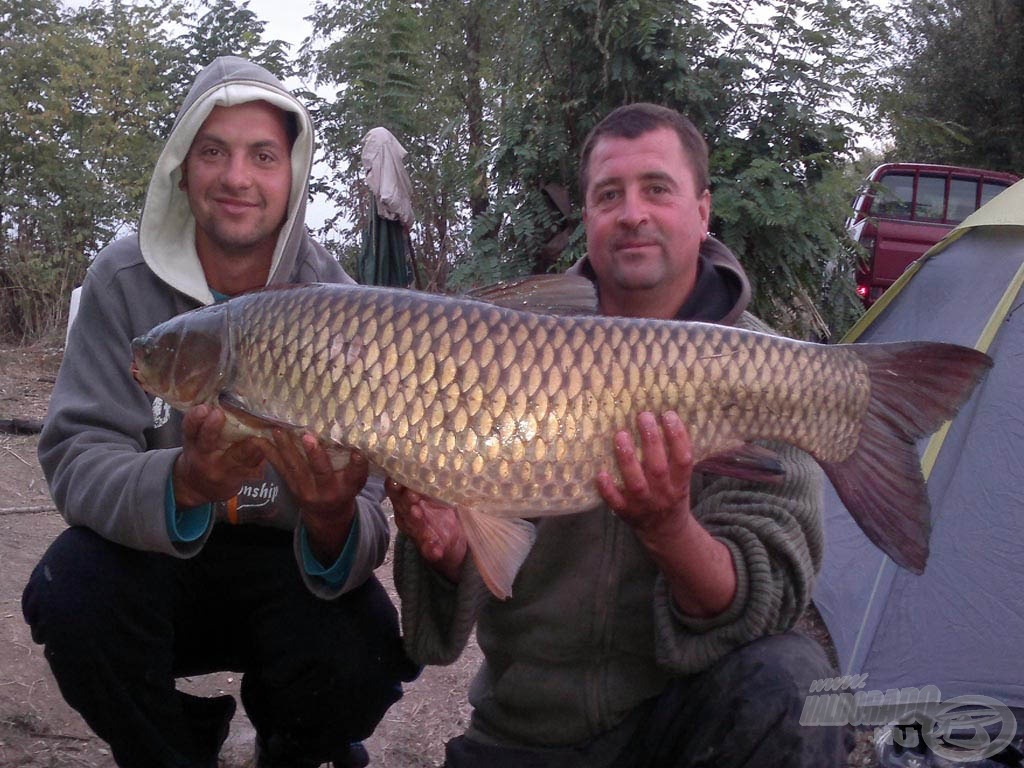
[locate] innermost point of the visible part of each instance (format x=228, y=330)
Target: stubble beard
x=240, y=245
x=639, y=272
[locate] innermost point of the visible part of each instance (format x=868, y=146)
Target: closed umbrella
x=386, y=237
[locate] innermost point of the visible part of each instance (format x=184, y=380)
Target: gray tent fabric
x=960, y=625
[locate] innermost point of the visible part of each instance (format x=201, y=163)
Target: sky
x=285, y=19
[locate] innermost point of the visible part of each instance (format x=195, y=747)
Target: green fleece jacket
x=591, y=630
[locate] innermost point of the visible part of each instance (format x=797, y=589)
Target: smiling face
x=237, y=176
x=645, y=221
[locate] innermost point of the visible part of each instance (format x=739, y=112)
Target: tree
x=955, y=92
x=784, y=130
x=419, y=70
x=494, y=101
x=77, y=126
x=221, y=28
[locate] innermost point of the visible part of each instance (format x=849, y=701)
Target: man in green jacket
x=654, y=630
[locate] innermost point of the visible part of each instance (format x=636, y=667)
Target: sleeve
x=437, y=616
x=774, y=532
x=93, y=449
x=364, y=551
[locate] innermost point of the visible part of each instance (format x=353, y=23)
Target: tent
x=960, y=625
x=386, y=238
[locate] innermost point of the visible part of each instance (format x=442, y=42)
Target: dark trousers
x=119, y=625
x=743, y=712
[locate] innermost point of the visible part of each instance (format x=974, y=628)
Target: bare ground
x=38, y=730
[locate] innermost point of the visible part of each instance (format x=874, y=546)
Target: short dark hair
x=634, y=120
x=291, y=127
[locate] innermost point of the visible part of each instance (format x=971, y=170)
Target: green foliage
x=782, y=130
x=493, y=101
x=417, y=70
x=953, y=91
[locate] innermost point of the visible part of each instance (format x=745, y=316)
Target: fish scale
x=523, y=406
x=508, y=413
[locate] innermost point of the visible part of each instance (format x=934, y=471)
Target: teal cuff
x=185, y=525
x=338, y=573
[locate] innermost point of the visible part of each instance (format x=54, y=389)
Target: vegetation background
x=492, y=99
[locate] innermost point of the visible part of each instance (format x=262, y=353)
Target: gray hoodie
x=108, y=448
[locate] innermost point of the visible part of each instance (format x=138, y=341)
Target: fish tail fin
x=915, y=388
x=499, y=546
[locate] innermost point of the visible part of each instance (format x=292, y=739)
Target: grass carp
x=507, y=413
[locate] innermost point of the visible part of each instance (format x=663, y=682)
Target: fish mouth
x=140, y=346
x=137, y=375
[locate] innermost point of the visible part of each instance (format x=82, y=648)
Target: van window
x=962, y=193
x=895, y=195
x=931, y=198
x=988, y=191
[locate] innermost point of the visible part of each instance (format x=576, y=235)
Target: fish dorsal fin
x=499, y=546
x=543, y=294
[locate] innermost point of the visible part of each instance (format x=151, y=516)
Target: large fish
x=510, y=413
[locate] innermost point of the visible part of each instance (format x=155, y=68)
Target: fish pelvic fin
x=237, y=407
x=499, y=546
x=746, y=462
x=915, y=388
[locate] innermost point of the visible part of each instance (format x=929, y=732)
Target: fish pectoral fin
x=241, y=411
x=746, y=462
x=338, y=455
x=499, y=546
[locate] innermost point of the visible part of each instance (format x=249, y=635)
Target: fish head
x=186, y=359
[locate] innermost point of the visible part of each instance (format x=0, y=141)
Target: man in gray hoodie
x=183, y=557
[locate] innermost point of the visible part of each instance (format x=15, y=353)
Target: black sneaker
x=357, y=757
x=210, y=718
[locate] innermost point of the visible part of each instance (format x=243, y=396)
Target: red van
x=905, y=208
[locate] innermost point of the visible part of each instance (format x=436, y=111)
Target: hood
x=167, y=229
x=722, y=284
